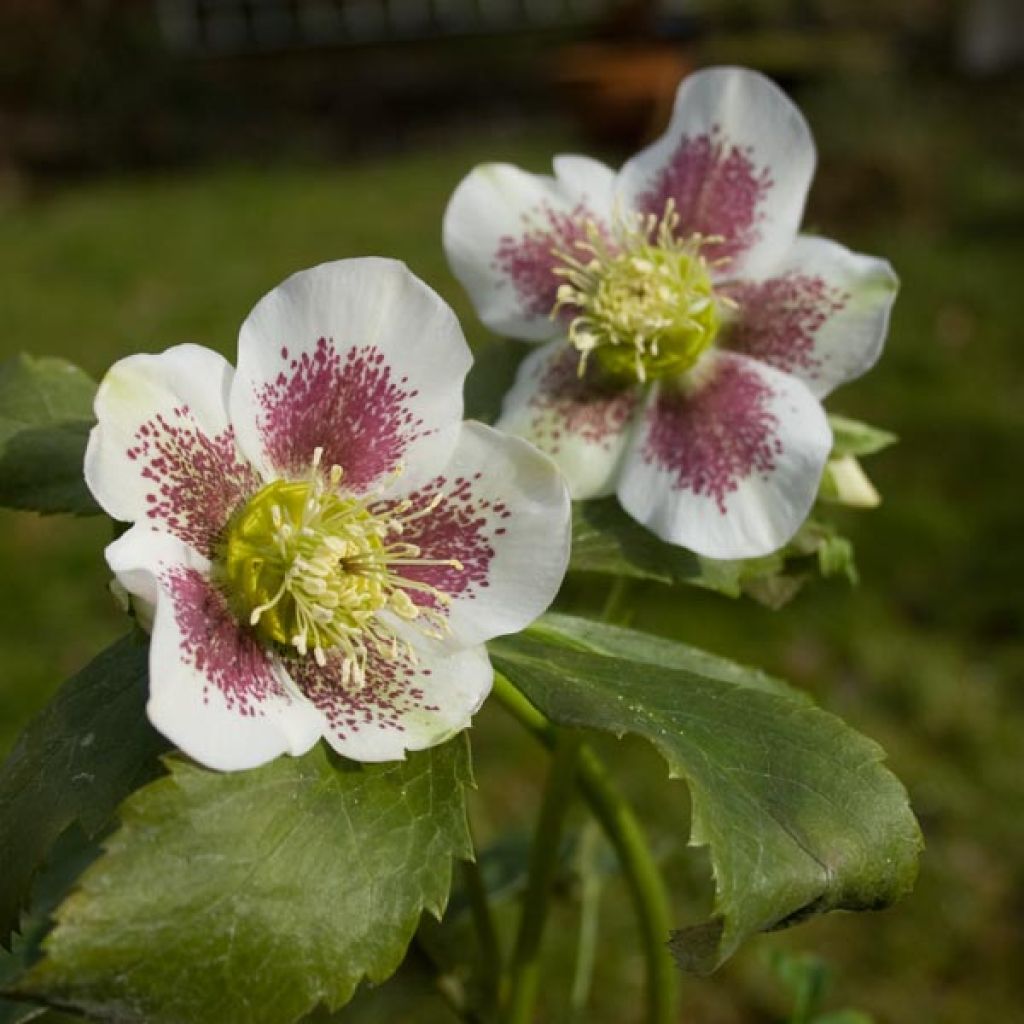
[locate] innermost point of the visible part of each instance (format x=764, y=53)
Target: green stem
x=487, y=935
x=591, y=884
x=624, y=832
x=547, y=842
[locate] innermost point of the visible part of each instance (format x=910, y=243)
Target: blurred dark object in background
x=92, y=86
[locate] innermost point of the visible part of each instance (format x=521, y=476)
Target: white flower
x=323, y=543
x=702, y=329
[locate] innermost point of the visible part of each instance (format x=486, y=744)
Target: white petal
x=213, y=690
x=501, y=227
x=586, y=179
x=822, y=315
x=359, y=358
x=405, y=703
x=162, y=451
x=583, y=427
x=504, y=516
x=728, y=464
x=737, y=159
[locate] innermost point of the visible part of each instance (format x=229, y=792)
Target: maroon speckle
x=386, y=696
x=567, y=405
x=462, y=527
x=779, y=319
x=716, y=436
x=529, y=261
x=717, y=191
x=351, y=405
x=197, y=480
x=227, y=655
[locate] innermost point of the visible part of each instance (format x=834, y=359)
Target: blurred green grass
x=925, y=656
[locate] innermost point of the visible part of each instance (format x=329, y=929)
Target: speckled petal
x=728, y=462
x=213, y=690
x=822, y=315
x=359, y=358
x=409, y=702
x=737, y=159
x=501, y=227
x=504, y=516
x=583, y=427
x=162, y=451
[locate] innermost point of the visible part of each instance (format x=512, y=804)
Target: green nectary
x=644, y=303
x=309, y=567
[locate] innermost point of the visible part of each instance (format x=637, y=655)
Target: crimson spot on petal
x=716, y=436
x=352, y=405
x=718, y=190
x=529, y=261
x=226, y=654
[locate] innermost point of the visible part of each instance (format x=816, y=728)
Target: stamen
x=639, y=297
x=328, y=565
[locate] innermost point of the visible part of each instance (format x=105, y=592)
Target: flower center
x=312, y=569
x=642, y=298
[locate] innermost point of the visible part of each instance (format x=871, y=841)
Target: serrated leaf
x=797, y=810
x=71, y=854
x=74, y=763
x=851, y=437
x=45, y=417
x=257, y=895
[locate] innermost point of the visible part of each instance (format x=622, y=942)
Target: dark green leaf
x=632, y=645
x=798, y=812
x=851, y=437
x=257, y=895
x=75, y=762
x=70, y=856
x=45, y=417
x=606, y=539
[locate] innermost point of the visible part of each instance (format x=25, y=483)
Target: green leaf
x=254, y=896
x=607, y=540
x=75, y=762
x=851, y=437
x=798, y=812
x=632, y=645
x=70, y=856
x=45, y=417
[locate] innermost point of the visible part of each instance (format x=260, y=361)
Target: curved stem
x=624, y=832
x=547, y=842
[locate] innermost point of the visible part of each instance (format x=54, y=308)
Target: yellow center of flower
x=643, y=299
x=312, y=569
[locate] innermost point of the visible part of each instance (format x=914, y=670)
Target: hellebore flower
x=323, y=543
x=695, y=330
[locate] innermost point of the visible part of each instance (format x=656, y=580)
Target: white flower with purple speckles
x=322, y=542
x=702, y=329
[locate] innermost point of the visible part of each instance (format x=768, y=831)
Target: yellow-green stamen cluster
x=644, y=301
x=312, y=569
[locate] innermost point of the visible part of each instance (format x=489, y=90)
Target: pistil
x=641, y=298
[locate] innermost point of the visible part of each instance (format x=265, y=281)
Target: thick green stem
x=624, y=832
x=547, y=841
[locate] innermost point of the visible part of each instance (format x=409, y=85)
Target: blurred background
x=163, y=163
